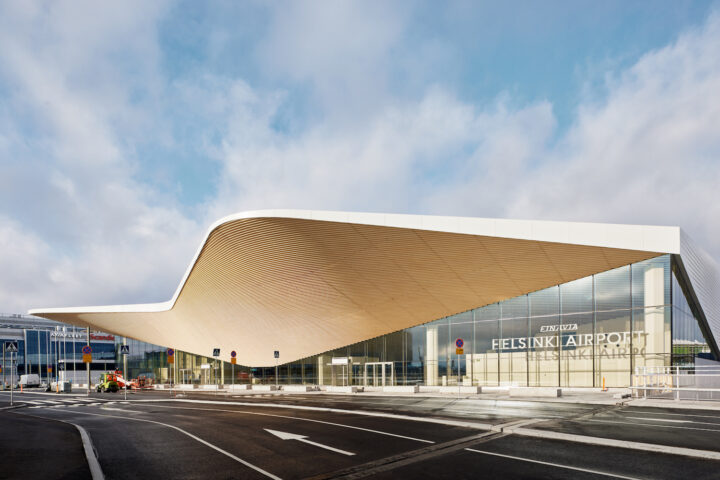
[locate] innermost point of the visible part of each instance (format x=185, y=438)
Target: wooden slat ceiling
x=306, y=286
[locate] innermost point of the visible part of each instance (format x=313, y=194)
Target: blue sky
x=126, y=129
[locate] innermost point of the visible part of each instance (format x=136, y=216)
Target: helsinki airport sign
x=565, y=340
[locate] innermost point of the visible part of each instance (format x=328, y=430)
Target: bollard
x=603, y=387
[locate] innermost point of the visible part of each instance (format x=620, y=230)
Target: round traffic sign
x=233, y=354
x=87, y=350
x=459, y=343
x=170, y=352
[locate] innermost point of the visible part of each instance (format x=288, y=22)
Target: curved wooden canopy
x=304, y=282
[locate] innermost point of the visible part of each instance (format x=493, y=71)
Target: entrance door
x=379, y=374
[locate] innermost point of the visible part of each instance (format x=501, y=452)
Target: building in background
x=52, y=349
x=351, y=298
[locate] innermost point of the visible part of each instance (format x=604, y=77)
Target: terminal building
x=346, y=298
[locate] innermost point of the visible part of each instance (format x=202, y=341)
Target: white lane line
x=95, y=471
x=33, y=402
x=716, y=417
x=52, y=402
x=121, y=410
x=380, y=432
x=237, y=459
x=657, y=426
x=439, y=421
x=610, y=442
x=664, y=420
x=587, y=470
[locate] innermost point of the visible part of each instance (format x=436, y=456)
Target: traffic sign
x=459, y=351
x=11, y=347
x=233, y=354
x=87, y=354
x=216, y=352
x=170, y=352
x=233, y=360
x=277, y=353
x=124, y=349
x=459, y=343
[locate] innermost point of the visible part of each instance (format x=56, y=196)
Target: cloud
x=79, y=225
x=87, y=101
x=646, y=152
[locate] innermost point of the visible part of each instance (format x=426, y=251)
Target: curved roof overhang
x=304, y=282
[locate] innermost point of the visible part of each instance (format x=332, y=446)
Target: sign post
x=11, y=347
x=216, y=354
x=277, y=355
x=125, y=351
x=87, y=358
x=233, y=361
x=459, y=344
x=171, y=363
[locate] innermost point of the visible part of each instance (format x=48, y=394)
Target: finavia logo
x=558, y=328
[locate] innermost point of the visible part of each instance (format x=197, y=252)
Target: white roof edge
x=661, y=239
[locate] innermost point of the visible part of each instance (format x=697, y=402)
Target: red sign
x=94, y=336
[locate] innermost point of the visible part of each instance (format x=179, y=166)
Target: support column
x=431, y=356
x=655, y=341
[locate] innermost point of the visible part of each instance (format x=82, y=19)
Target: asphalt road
x=324, y=436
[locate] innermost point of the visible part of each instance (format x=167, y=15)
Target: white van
x=30, y=380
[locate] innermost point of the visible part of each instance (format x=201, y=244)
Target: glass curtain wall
x=588, y=332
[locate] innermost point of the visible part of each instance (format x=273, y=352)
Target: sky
x=127, y=128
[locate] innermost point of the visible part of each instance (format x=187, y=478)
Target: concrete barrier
x=299, y=388
x=401, y=389
x=351, y=389
x=233, y=388
x=535, y=392
x=265, y=388
x=461, y=389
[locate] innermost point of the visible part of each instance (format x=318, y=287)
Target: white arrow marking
x=302, y=438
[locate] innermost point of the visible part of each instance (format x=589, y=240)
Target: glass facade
x=51, y=350
x=577, y=334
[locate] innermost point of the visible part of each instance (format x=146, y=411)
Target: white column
x=654, y=315
x=431, y=356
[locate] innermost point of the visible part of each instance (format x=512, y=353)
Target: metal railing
x=677, y=382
